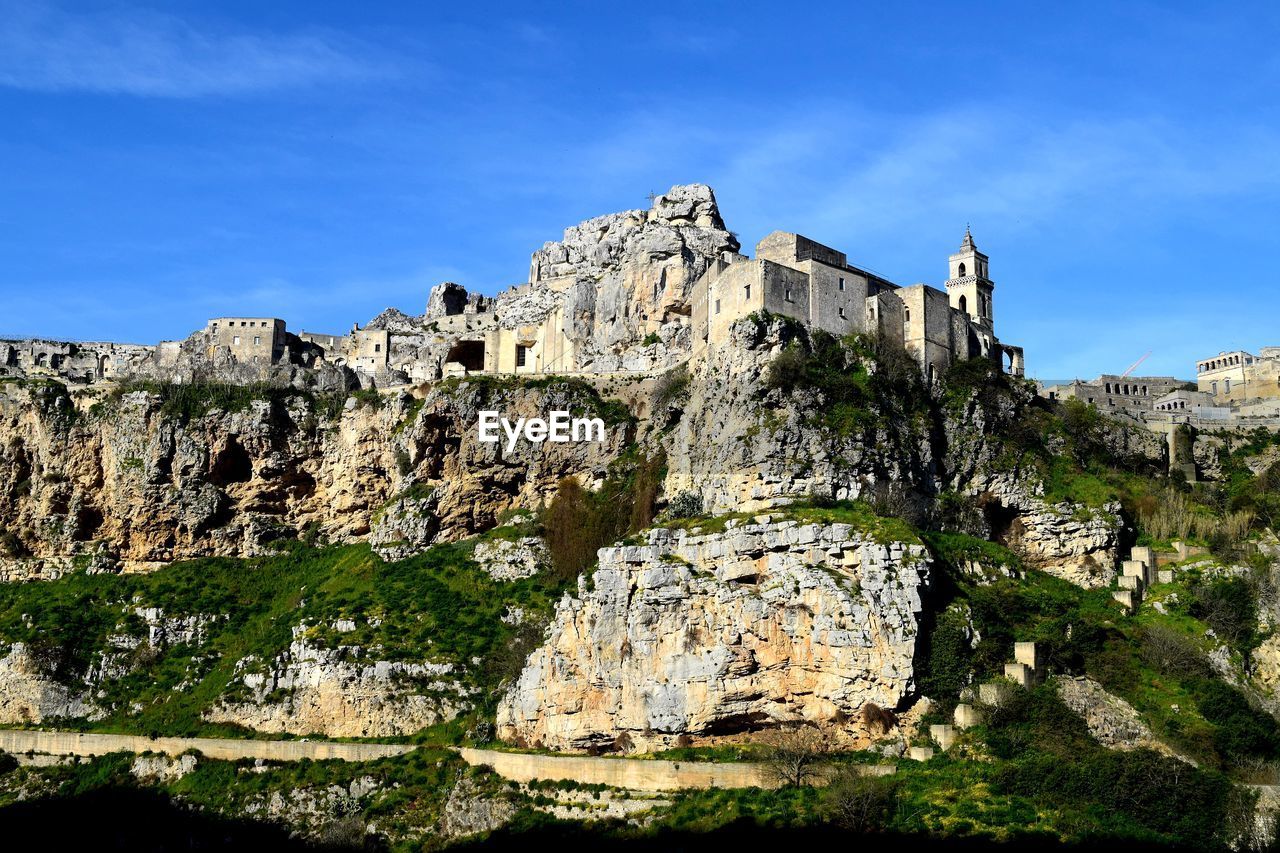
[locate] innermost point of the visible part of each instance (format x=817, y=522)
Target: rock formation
x=134, y=484
x=340, y=692
x=29, y=694
x=707, y=635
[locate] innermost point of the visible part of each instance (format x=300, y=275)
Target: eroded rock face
x=343, y=692
x=1113, y=722
x=742, y=447
x=29, y=695
x=134, y=487
x=708, y=635
x=1072, y=542
x=625, y=275
x=470, y=810
x=512, y=559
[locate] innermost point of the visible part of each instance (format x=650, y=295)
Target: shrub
x=878, y=719
x=861, y=804
x=948, y=658
x=572, y=529
x=787, y=370
x=1229, y=606
x=1171, y=653
x=579, y=522
x=672, y=389
x=685, y=505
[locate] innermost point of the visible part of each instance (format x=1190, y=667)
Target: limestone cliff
x=712, y=634
x=742, y=444
x=134, y=482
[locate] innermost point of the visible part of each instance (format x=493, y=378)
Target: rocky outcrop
x=741, y=446
x=708, y=635
x=470, y=809
x=1068, y=541
x=342, y=692
x=625, y=275
x=162, y=768
x=512, y=559
x=137, y=481
x=1113, y=722
x=407, y=525
x=28, y=694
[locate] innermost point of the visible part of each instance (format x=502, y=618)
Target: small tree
x=798, y=756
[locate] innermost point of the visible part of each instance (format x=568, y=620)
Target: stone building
x=635, y=292
x=1197, y=403
x=1234, y=378
x=246, y=340
x=74, y=361
x=1127, y=395
x=796, y=277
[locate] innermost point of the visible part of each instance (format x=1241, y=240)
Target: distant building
x=1130, y=395
x=1240, y=377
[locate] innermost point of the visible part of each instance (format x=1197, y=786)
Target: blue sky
x=163, y=163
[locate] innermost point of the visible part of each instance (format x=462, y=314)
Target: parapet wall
x=633, y=773
x=226, y=749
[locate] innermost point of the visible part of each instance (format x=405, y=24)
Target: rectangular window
x=257, y=341
x=787, y=294
x=746, y=292
x=717, y=306
x=842, y=282
x=520, y=355
x=377, y=347
x=1228, y=386
x=235, y=340
x=842, y=312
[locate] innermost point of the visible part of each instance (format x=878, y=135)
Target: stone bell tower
x=968, y=286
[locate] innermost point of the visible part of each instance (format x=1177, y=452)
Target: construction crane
x=1134, y=366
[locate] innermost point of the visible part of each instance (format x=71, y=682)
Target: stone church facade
x=799, y=278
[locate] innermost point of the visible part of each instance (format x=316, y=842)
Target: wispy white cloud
x=142, y=53
x=838, y=163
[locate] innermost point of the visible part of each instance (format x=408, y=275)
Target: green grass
x=437, y=606
x=861, y=515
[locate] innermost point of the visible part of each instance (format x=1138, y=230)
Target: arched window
x=961, y=271
x=964, y=303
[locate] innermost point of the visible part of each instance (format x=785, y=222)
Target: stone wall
x=226, y=749
x=631, y=773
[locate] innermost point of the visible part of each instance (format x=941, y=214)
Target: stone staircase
x=1025, y=670
x=1142, y=571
